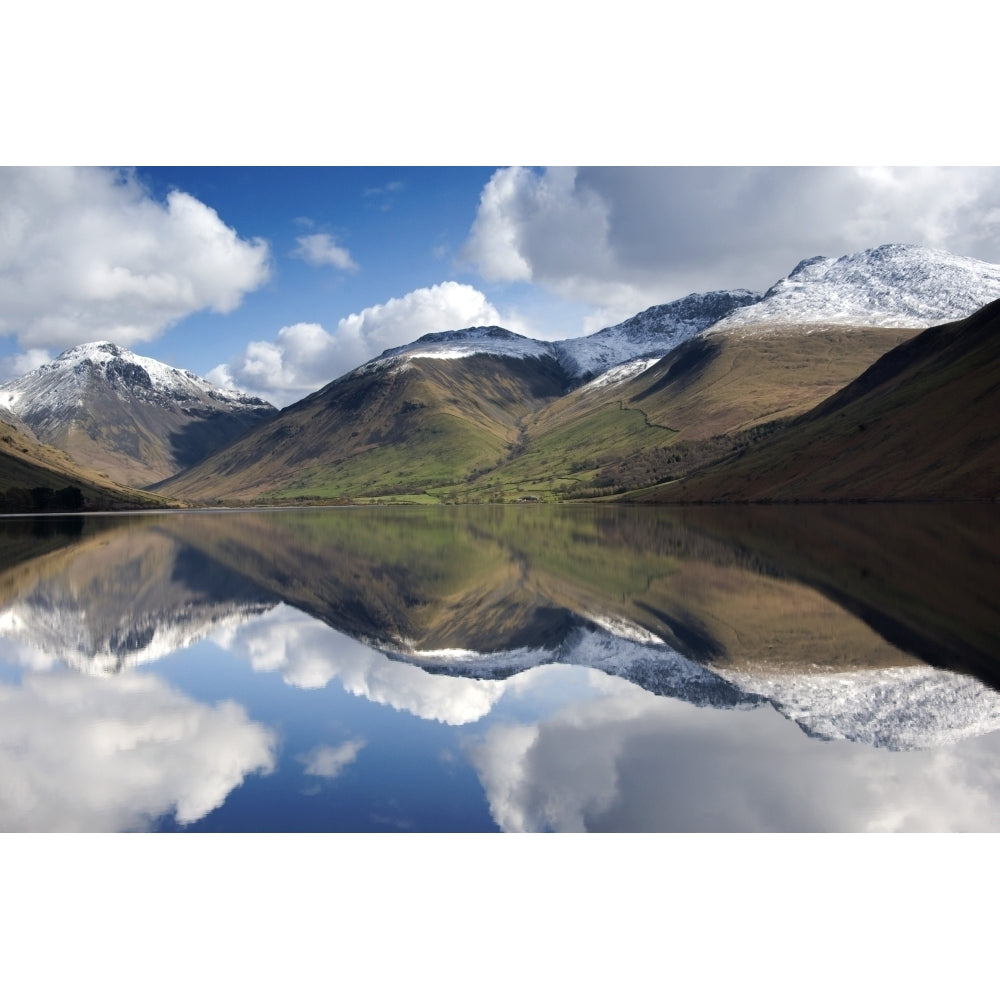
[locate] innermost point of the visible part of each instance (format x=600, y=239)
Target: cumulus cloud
x=15, y=365
x=303, y=357
x=328, y=762
x=321, y=250
x=622, y=239
x=81, y=753
x=87, y=253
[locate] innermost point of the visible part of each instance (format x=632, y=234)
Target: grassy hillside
x=922, y=423
x=700, y=402
x=485, y=428
x=398, y=431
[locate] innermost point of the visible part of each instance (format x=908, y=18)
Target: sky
x=276, y=280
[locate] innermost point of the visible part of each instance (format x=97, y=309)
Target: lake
x=514, y=668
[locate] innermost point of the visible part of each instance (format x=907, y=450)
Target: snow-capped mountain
x=132, y=417
x=453, y=344
x=652, y=333
x=895, y=285
x=64, y=381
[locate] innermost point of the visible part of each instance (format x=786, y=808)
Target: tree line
x=41, y=499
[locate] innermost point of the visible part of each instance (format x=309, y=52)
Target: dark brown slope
x=923, y=576
x=38, y=477
x=922, y=423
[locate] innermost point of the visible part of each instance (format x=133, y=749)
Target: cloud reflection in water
x=309, y=654
x=629, y=760
x=81, y=753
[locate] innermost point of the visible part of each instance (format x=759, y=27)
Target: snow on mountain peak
x=650, y=334
x=465, y=343
x=894, y=285
x=67, y=377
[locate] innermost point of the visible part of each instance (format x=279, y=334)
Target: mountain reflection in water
x=524, y=668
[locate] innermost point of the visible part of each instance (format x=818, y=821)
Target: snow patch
x=894, y=285
x=620, y=373
x=898, y=708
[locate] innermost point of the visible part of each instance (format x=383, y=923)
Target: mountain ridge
x=487, y=413
x=895, y=284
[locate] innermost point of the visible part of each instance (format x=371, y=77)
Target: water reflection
x=601, y=668
x=308, y=654
x=125, y=596
x=626, y=761
x=77, y=753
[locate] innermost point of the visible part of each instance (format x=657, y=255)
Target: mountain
x=486, y=414
x=923, y=422
x=133, y=418
x=895, y=285
x=650, y=334
x=809, y=335
x=417, y=419
x=765, y=362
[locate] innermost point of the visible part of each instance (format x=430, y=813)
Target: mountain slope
x=614, y=432
x=413, y=420
x=36, y=476
x=922, y=423
x=133, y=418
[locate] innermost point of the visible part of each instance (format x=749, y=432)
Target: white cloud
x=84, y=753
x=15, y=365
x=303, y=357
x=328, y=762
x=321, y=250
x=309, y=654
x=622, y=239
x=87, y=253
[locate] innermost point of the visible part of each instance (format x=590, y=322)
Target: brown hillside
x=923, y=423
x=26, y=464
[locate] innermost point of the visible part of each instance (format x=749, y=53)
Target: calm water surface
x=502, y=668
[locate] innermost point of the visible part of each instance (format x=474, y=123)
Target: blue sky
x=276, y=280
